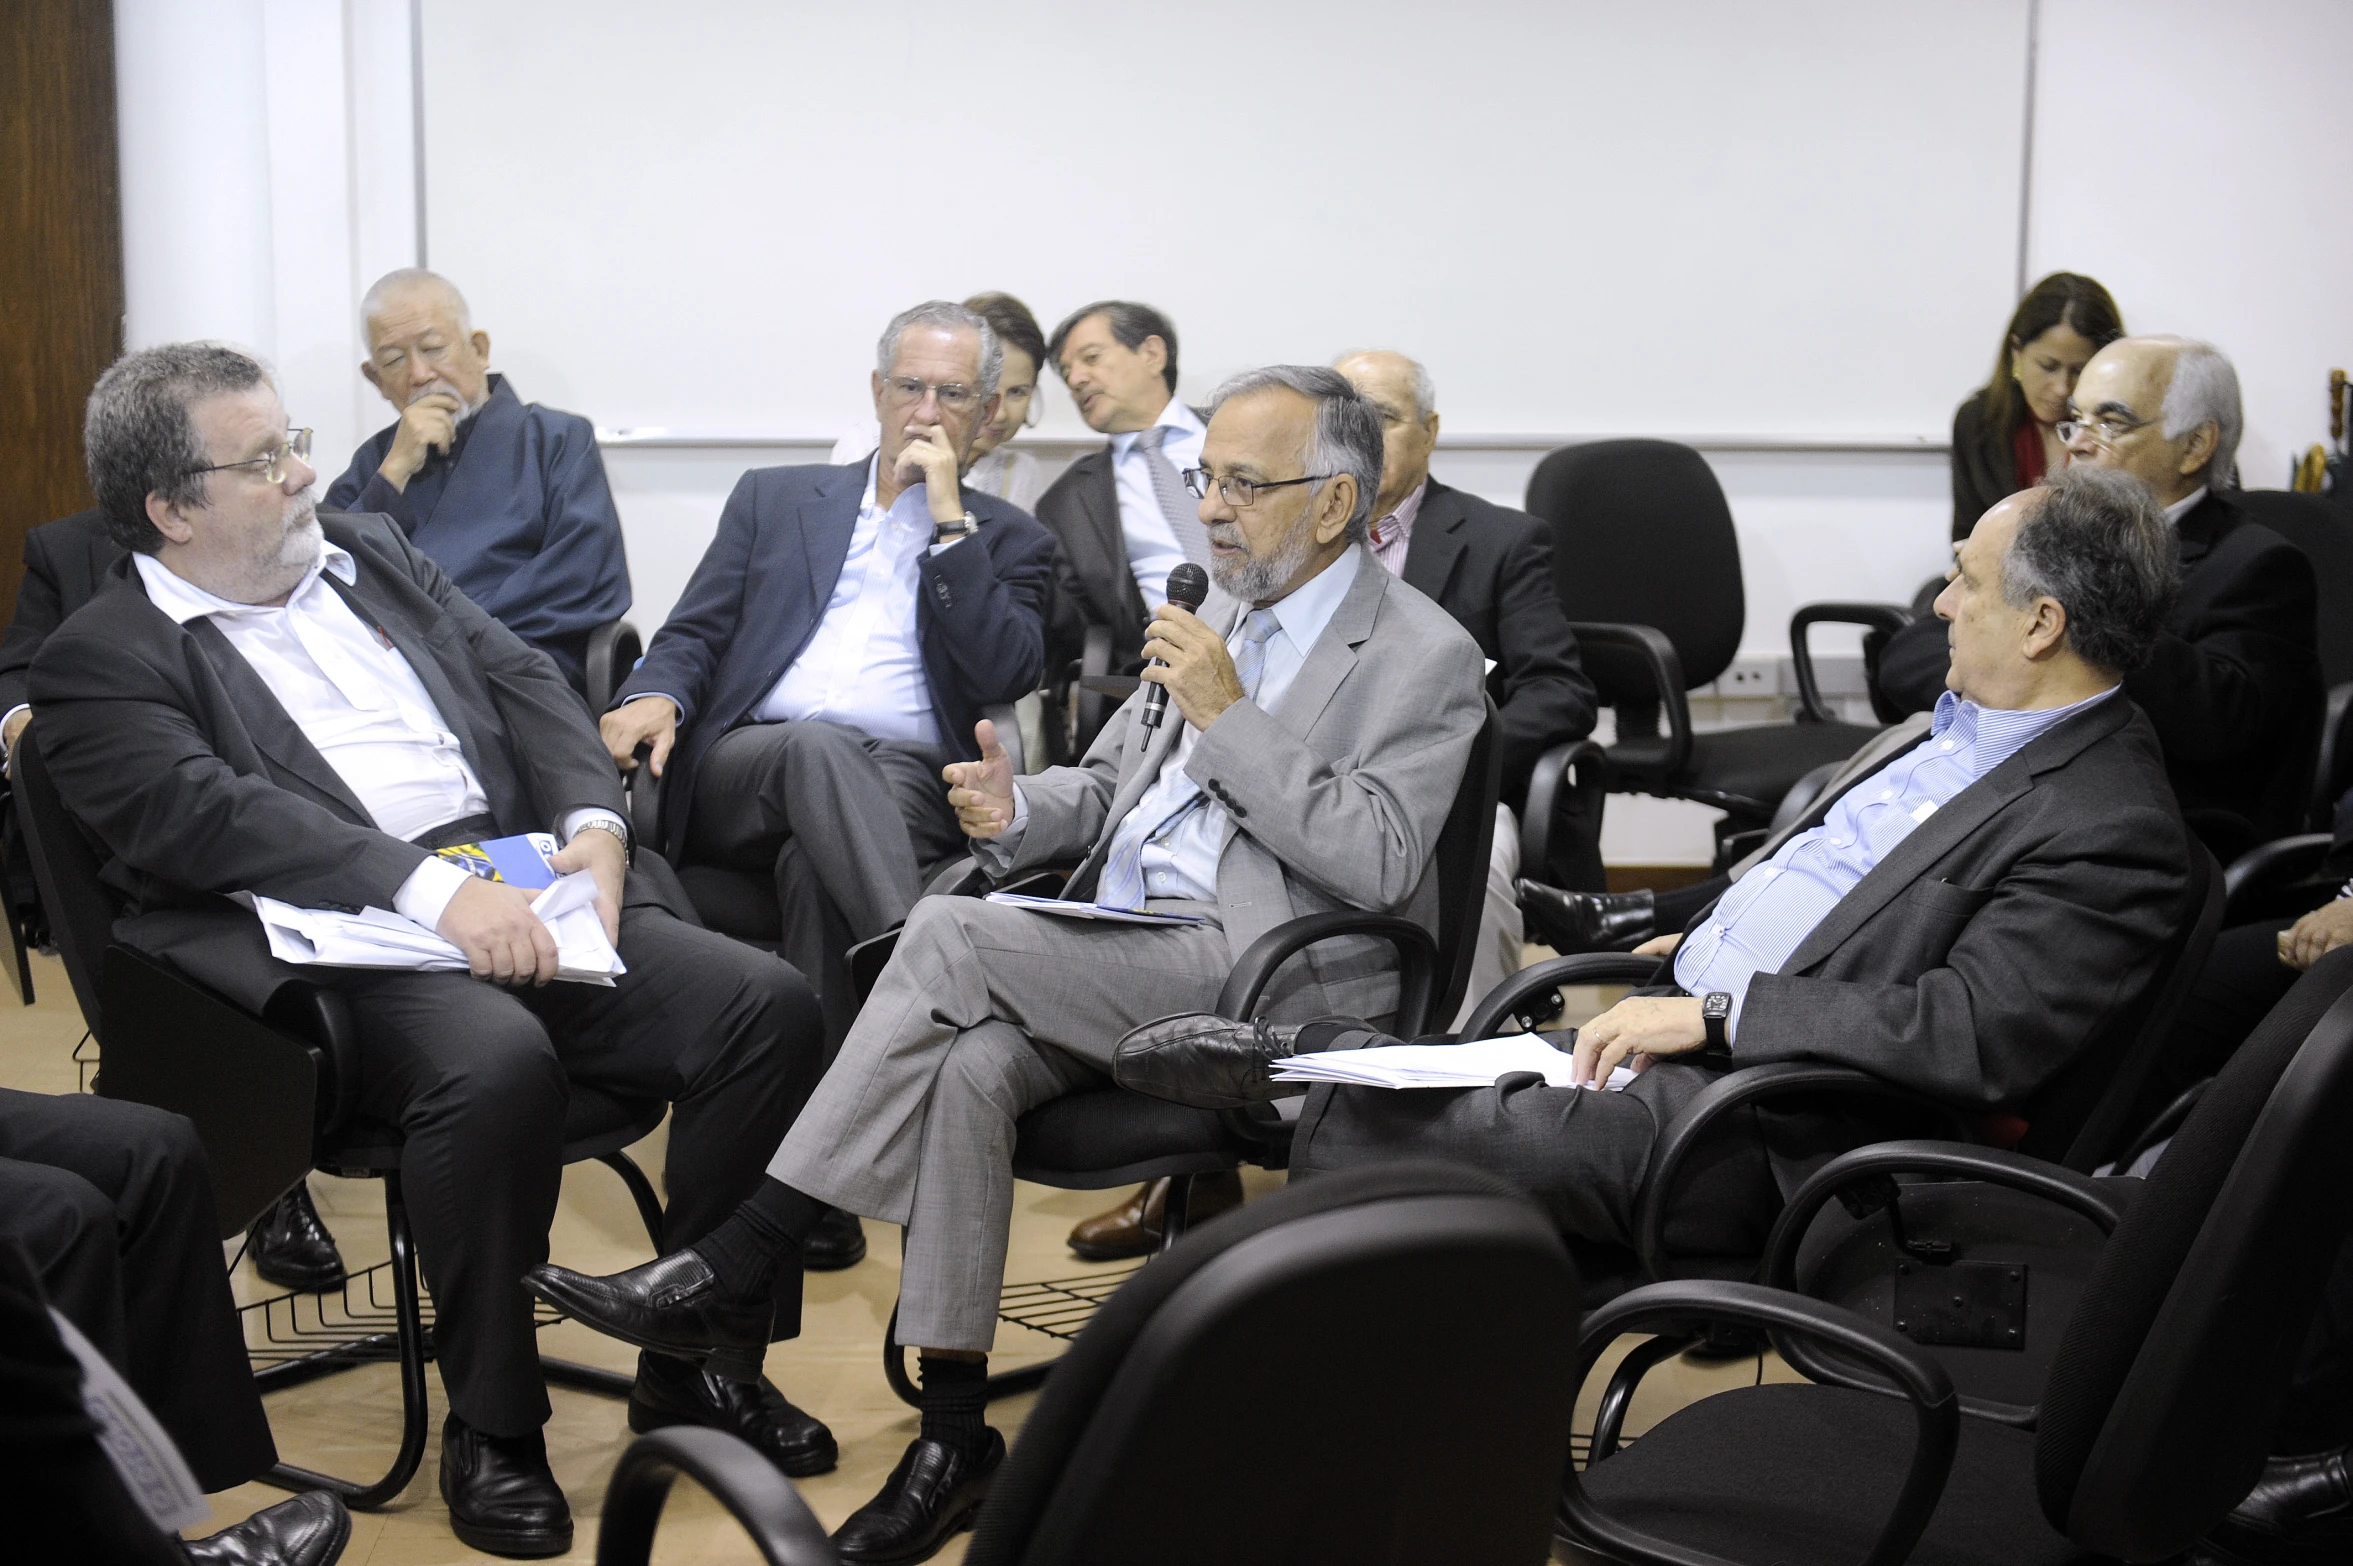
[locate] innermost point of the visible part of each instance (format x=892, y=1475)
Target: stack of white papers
x=376, y=938
x=1064, y=908
x=1473, y=1063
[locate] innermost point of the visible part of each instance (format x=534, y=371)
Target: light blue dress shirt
x=1152, y=549
x=1768, y=914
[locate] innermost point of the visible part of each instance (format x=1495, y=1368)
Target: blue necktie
x=1121, y=885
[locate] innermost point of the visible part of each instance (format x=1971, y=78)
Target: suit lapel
x=272, y=728
x=1334, y=652
x=1437, y=542
x=423, y=658
x=826, y=528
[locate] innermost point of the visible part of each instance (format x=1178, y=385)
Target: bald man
x=507, y=496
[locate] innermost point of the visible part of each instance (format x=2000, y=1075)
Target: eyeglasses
x=1238, y=493
x=955, y=396
x=274, y=466
x=2107, y=429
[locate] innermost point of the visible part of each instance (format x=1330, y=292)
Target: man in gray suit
x=1962, y=919
x=1321, y=742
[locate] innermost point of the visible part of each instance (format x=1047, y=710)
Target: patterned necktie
x=1183, y=516
x=1121, y=883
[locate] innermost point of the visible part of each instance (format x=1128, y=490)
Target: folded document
x=1473, y=1063
x=1062, y=907
x=375, y=938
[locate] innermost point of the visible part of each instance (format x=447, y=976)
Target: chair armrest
x=614, y=649
x=1008, y=724
x=1678, y=1307
x=1887, y=619
x=2267, y=867
x=643, y=792
x=1534, y=980
x=1417, y=962
x=1089, y=708
x=1579, y=770
x=1662, y=669
x=321, y=1019
x=761, y=1500
x=1735, y=1089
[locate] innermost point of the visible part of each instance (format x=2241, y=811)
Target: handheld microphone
x=1188, y=587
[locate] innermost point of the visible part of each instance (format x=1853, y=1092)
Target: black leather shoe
x=672, y=1305
x=677, y=1392
x=929, y=1498
x=1209, y=1062
x=838, y=1241
x=291, y=1248
x=310, y=1530
x=1573, y=922
x=2300, y=1510
x=502, y=1498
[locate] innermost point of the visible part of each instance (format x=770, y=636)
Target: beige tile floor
x=348, y=1423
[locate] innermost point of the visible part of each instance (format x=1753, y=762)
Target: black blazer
x=2233, y=687
x=762, y=587
x=65, y=563
x=1985, y=466
x=1491, y=568
x=1093, y=584
x=197, y=783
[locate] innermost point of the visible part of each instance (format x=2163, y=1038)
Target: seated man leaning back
x=1961, y=920
x=1309, y=765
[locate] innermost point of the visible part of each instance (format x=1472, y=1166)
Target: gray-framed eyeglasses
x=954, y=396
x=1236, y=492
x=2107, y=429
x=274, y=469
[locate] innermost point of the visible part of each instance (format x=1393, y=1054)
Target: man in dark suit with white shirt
x=835, y=648
x=261, y=700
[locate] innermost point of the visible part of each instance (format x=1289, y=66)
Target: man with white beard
x=261, y=699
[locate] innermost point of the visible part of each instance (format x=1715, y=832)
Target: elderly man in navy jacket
x=835, y=648
x=506, y=496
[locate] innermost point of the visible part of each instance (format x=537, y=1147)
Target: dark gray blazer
x=197, y=783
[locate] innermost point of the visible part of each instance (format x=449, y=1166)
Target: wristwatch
x=1715, y=1009
x=948, y=532
x=601, y=824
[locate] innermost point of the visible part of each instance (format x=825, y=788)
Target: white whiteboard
x=1792, y=218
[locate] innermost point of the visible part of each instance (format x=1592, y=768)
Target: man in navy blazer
x=506, y=496
x=833, y=651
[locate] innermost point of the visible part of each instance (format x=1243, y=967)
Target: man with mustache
x=259, y=699
x=1312, y=749
x=506, y=496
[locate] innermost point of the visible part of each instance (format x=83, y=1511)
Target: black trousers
x=478, y=1077
x=113, y=1205
x=849, y=825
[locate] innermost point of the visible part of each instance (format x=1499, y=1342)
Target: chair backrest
x=2323, y=529
x=81, y=909
x=2083, y=1115
x=1338, y=1323
x=1464, y=845
x=2173, y=1369
x=1641, y=534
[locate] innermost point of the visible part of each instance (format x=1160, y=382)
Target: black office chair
x=613, y=651
x=271, y=1098
x=1105, y=1137
x=1339, y=1323
x=2155, y=1419
x=1648, y=568
x=28, y=926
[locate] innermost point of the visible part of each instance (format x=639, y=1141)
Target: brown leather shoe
x=1133, y=1227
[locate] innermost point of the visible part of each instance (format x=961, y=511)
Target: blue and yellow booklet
x=521, y=860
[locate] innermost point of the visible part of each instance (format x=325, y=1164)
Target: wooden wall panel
x=61, y=257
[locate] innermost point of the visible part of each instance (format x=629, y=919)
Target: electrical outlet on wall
x=1750, y=677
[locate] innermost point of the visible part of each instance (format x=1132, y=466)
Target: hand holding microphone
x=1187, y=660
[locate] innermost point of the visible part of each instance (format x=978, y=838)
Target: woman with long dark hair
x=2005, y=433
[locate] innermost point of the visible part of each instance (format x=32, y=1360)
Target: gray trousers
x=984, y=1013
x=850, y=823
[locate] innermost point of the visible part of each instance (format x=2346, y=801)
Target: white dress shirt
x=362, y=707
x=1182, y=864
x=2181, y=508
x=1152, y=550
x=863, y=666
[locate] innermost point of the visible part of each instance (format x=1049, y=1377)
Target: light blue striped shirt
x=1769, y=913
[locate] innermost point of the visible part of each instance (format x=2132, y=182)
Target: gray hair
x=1425, y=395
x=1347, y=436
x=2098, y=544
x=140, y=436
x=949, y=316
x=2205, y=387
x=372, y=303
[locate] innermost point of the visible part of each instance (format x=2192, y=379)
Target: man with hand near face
x=506, y=496
x=1315, y=745
x=1961, y=917
x=833, y=651
x=261, y=699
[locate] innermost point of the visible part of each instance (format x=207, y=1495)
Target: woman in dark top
x=2005, y=435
